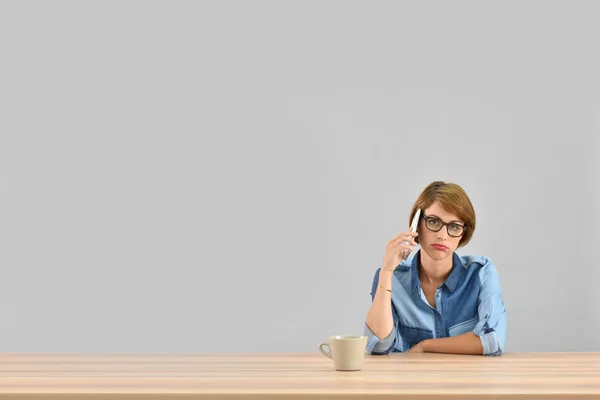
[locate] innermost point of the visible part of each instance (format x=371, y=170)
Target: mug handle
x=325, y=353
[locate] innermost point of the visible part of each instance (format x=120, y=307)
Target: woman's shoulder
x=469, y=260
x=483, y=266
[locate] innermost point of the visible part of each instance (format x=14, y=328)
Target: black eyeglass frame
x=447, y=224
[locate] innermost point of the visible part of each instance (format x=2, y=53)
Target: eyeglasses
x=434, y=224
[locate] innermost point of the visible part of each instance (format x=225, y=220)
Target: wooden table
x=298, y=376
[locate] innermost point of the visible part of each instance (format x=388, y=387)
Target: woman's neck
x=434, y=272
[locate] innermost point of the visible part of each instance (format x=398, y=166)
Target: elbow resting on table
x=377, y=346
x=491, y=343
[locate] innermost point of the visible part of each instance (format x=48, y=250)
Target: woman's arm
x=467, y=343
x=379, y=319
x=382, y=317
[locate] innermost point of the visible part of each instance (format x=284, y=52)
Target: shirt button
x=438, y=317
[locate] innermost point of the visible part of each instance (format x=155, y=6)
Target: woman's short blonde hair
x=454, y=200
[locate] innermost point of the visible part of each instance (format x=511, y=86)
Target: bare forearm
x=379, y=318
x=467, y=343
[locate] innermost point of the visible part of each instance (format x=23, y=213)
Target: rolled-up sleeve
x=383, y=346
x=491, y=327
x=376, y=346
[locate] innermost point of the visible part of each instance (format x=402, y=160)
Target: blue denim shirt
x=469, y=300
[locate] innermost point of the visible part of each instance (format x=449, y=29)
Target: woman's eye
x=434, y=222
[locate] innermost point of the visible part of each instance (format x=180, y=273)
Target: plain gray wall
x=224, y=176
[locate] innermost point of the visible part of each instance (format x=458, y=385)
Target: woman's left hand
x=418, y=348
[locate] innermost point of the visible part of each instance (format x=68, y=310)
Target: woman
x=437, y=301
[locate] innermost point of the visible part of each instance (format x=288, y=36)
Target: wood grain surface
x=298, y=376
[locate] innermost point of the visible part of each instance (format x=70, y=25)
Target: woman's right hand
x=397, y=250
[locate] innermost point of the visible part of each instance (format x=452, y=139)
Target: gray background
x=224, y=176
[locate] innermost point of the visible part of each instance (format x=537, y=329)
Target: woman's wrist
x=385, y=276
x=385, y=280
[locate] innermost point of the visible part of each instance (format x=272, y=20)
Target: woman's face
x=439, y=245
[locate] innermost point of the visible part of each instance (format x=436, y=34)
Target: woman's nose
x=443, y=234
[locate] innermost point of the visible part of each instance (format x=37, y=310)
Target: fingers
x=404, y=251
x=395, y=254
x=411, y=241
x=397, y=246
x=403, y=254
x=406, y=246
x=405, y=237
x=401, y=246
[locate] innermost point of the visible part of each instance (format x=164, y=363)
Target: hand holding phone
x=413, y=227
x=400, y=246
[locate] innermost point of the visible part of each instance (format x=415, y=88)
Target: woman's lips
x=439, y=246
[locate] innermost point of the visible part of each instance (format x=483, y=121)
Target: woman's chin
x=437, y=254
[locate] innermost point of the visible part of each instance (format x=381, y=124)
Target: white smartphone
x=413, y=227
x=415, y=221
